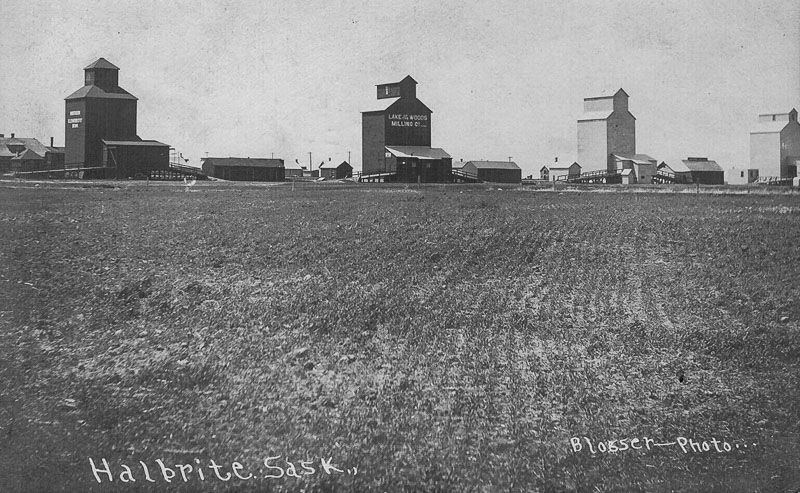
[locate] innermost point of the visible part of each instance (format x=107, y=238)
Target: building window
x=742, y=174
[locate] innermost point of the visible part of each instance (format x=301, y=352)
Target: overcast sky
x=503, y=78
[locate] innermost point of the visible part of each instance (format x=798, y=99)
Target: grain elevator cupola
x=103, y=74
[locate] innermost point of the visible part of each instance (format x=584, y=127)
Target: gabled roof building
x=494, y=171
x=696, y=170
x=12, y=147
x=244, y=169
x=334, y=171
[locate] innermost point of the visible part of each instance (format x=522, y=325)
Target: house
x=544, y=173
x=13, y=146
x=493, y=171
x=27, y=160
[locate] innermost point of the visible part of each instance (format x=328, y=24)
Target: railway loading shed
x=244, y=169
x=493, y=171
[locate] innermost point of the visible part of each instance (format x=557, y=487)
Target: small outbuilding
x=493, y=171
x=336, y=171
x=628, y=176
x=244, y=169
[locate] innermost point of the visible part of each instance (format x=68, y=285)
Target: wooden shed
x=336, y=171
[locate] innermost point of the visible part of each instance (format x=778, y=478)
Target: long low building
x=244, y=169
x=493, y=171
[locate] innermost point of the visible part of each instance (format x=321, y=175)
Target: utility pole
x=348, y=158
x=310, y=166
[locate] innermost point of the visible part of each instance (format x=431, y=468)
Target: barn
x=244, y=169
x=336, y=171
x=493, y=171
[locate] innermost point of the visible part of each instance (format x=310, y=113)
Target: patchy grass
x=436, y=338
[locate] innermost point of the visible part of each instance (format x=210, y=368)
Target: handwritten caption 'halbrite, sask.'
x=687, y=445
x=277, y=467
